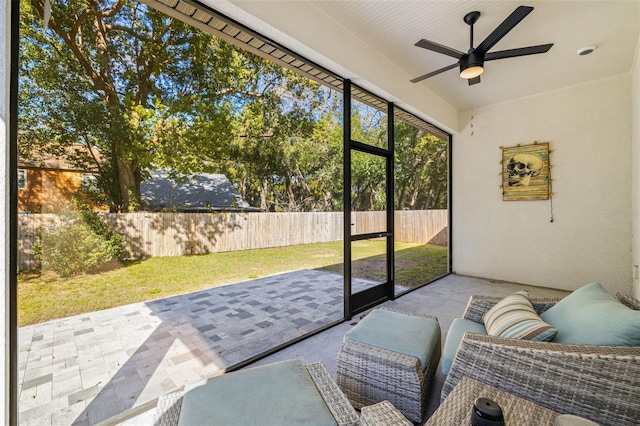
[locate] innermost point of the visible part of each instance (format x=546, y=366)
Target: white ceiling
x=392, y=27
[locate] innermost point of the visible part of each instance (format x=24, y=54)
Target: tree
x=368, y=172
x=296, y=164
x=271, y=132
x=119, y=88
x=421, y=171
x=130, y=89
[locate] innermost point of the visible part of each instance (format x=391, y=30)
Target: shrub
x=114, y=242
x=82, y=244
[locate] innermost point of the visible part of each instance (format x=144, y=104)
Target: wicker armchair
x=601, y=383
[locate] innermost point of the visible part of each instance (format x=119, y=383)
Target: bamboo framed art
x=525, y=172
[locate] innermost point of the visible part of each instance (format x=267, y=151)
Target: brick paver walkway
x=84, y=369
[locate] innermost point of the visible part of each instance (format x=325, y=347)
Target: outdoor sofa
x=600, y=382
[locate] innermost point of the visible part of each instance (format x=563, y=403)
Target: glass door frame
x=360, y=301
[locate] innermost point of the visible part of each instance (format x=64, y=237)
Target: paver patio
x=87, y=368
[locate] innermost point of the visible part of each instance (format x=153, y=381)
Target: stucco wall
x=589, y=131
x=635, y=129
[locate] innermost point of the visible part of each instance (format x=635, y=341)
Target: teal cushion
x=405, y=334
x=590, y=316
x=513, y=317
x=454, y=336
x=276, y=394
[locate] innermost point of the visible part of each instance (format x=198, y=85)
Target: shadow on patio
x=88, y=368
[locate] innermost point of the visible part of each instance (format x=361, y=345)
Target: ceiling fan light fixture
x=471, y=72
x=471, y=65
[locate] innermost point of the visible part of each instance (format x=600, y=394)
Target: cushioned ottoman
x=278, y=394
x=390, y=356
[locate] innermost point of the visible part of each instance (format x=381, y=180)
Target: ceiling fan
x=472, y=63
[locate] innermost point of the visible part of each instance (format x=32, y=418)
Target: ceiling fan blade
x=431, y=74
x=507, y=25
x=430, y=45
x=512, y=53
x=474, y=80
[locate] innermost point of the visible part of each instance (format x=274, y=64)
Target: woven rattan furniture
x=370, y=374
x=600, y=383
x=456, y=409
x=382, y=414
x=169, y=408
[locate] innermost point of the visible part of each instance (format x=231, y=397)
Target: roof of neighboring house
x=60, y=161
x=201, y=192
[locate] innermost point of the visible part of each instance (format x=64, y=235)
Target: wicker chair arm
x=407, y=312
x=167, y=411
x=380, y=356
x=479, y=305
x=596, y=382
x=336, y=400
x=382, y=414
x=628, y=301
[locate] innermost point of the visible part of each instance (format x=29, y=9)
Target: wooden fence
x=178, y=234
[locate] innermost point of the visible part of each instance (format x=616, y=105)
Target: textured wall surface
x=589, y=128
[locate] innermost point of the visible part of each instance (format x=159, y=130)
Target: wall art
x=525, y=172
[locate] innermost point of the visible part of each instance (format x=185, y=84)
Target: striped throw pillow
x=515, y=318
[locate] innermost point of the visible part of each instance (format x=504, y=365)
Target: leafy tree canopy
x=138, y=90
x=120, y=88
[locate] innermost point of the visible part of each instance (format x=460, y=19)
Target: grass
x=415, y=264
x=46, y=296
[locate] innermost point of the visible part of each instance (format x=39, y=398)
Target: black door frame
x=358, y=302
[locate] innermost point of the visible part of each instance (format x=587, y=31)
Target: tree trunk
x=400, y=200
x=328, y=205
x=414, y=198
x=263, y=195
x=129, y=182
x=290, y=194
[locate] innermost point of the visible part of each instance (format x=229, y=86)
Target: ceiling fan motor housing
x=471, y=59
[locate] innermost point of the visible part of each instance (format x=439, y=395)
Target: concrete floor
x=445, y=299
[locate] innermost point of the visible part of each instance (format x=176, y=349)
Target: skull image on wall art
x=522, y=167
x=525, y=172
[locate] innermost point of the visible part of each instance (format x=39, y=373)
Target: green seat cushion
x=277, y=394
x=590, y=316
x=405, y=334
x=456, y=330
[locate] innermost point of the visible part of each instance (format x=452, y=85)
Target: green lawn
x=45, y=296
